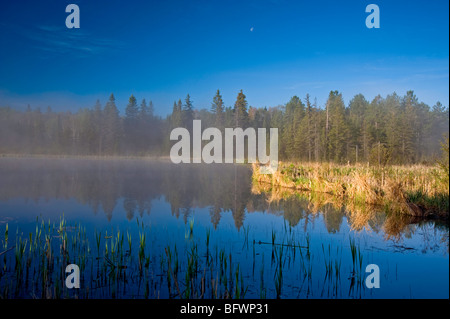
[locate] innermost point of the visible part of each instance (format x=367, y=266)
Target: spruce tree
x=188, y=112
x=112, y=127
x=132, y=110
x=338, y=128
x=217, y=108
x=240, y=111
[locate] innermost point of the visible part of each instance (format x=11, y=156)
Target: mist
x=402, y=128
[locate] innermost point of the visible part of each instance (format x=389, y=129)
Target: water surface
x=209, y=233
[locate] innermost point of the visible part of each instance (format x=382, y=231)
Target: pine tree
x=309, y=132
x=338, y=128
x=439, y=124
x=408, y=121
x=112, y=127
x=176, y=117
x=132, y=110
x=131, y=125
x=240, y=111
x=217, y=108
x=357, y=126
x=292, y=131
x=188, y=113
x=151, y=109
x=143, y=110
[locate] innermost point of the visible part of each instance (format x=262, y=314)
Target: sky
x=271, y=49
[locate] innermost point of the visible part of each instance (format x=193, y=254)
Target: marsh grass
x=202, y=267
x=359, y=215
x=416, y=190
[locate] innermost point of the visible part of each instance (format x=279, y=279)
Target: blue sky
x=271, y=49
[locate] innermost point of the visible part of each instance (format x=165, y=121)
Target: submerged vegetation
x=418, y=190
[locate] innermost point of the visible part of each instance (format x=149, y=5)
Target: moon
x=251, y=29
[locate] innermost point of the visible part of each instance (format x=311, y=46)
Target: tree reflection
x=130, y=186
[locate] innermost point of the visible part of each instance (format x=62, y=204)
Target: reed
x=262, y=289
x=170, y=270
x=191, y=227
x=353, y=252
x=327, y=259
x=141, y=250
x=279, y=274
x=208, y=235
x=416, y=190
x=128, y=252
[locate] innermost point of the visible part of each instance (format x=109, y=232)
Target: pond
x=152, y=229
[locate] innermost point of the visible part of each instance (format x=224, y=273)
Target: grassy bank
x=414, y=190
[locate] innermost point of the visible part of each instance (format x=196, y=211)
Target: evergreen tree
x=358, y=127
x=132, y=110
x=112, y=127
x=407, y=122
x=305, y=133
x=338, y=128
x=217, y=109
x=188, y=112
x=143, y=110
x=177, y=116
x=439, y=126
x=131, y=125
x=292, y=130
x=151, y=109
x=240, y=111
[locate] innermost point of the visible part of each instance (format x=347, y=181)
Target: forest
x=387, y=130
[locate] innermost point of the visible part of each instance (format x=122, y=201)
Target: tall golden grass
x=416, y=190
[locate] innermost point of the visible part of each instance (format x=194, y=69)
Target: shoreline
x=416, y=190
x=94, y=157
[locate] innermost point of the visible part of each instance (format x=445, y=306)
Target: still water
x=153, y=229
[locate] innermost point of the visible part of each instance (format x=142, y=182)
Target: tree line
x=387, y=130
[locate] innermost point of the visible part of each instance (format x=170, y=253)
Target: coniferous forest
x=387, y=130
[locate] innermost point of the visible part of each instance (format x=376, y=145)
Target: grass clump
x=416, y=190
